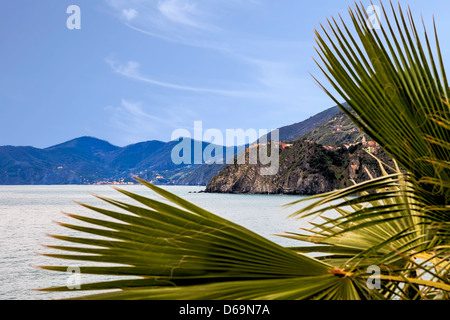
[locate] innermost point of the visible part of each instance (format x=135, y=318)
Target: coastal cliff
x=306, y=168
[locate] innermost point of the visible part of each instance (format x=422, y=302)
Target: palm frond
x=398, y=94
x=180, y=251
x=396, y=89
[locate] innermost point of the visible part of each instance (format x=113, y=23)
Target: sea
x=28, y=214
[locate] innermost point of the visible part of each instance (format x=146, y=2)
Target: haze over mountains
x=88, y=160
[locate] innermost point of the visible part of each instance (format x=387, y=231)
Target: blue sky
x=139, y=69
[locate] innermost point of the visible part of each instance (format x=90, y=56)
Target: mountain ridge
x=331, y=156
x=292, y=132
x=90, y=160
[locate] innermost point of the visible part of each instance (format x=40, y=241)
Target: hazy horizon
x=147, y=140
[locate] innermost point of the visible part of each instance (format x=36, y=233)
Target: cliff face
x=306, y=168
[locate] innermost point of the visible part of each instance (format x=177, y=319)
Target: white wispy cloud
x=201, y=28
x=209, y=43
x=137, y=124
x=131, y=69
x=165, y=15
x=267, y=69
x=181, y=12
x=129, y=14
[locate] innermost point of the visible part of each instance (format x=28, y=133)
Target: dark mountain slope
x=89, y=160
x=306, y=168
x=339, y=129
x=296, y=130
x=328, y=157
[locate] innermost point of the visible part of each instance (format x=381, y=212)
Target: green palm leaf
x=398, y=95
x=180, y=251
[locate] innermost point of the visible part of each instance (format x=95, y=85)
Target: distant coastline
x=322, y=153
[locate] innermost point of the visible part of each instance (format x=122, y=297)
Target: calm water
x=27, y=214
